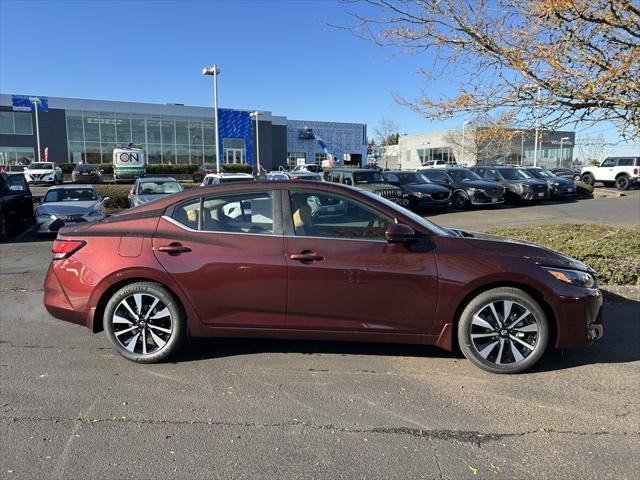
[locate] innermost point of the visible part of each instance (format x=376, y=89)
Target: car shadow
x=620, y=344
x=210, y=348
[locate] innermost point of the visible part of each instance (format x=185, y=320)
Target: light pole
x=36, y=102
x=562, y=140
x=463, y=146
x=215, y=71
x=537, y=113
x=255, y=114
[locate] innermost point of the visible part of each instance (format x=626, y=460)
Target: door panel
x=232, y=279
x=361, y=286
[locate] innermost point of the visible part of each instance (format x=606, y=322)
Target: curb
x=620, y=293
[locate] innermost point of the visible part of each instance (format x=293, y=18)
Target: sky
x=286, y=57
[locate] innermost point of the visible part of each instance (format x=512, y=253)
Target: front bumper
x=534, y=196
x=479, y=198
x=579, y=318
x=52, y=223
x=563, y=191
x=40, y=178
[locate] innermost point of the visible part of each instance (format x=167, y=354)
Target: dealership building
x=481, y=146
x=86, y=131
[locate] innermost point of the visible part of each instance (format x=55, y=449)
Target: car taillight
x=65, y=248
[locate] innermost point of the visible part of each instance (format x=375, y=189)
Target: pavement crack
x=462, y=436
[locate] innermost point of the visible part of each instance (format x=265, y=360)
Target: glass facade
x=92, y=136
x=13, y=155
x=16, y=123
x=440, y=153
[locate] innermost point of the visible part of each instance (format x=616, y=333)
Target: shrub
x=612, y=251
x=66, y=167
x=118, y=194
x=236, y=168
x=176, y=169
x=584, y=188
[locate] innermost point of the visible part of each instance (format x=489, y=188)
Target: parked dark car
x=558, y=187
x=16, y=204
x=364, y=179
x=86, y=173
x=519, y=184
x=12, y=168
x=418, y=192
x=202, y=172
x=572, y=173
x=467, y=188
x=251, y=260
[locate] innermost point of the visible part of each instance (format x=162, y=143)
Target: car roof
x=75, y=185
x=228, y=175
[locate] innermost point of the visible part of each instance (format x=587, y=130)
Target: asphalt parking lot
x=70, y=407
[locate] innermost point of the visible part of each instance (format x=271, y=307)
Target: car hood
x=520, y=248
x=561, y=181
x=68, y=208
x=427, y=188
x=482, y=184
x=39, y=171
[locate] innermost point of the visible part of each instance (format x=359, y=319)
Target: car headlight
x=574, y=277
x=96, y=212
x=472, y=190
x=418, y=194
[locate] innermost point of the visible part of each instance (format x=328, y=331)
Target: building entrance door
x=235, y=155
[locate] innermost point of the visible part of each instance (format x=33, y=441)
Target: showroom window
x=13, y=155
x=16, y=123
x=320, y=157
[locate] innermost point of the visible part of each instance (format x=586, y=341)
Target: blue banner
x=24, y=103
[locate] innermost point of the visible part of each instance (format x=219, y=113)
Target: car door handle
x=306, y=256
x=174, y=248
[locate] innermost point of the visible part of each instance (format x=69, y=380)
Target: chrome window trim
x=188, y=229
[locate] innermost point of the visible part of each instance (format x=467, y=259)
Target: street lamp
x=215, y=71
x=255, y=115
x=562, y=140
x=36, y=101
x=463, y=125
x=537, y=113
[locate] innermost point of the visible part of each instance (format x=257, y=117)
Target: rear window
x=85, y=168
x=625, y=162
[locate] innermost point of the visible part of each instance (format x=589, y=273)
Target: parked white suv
x=619, y=171
x=43, y=172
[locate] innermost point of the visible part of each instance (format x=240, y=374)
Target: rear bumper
x=71, y=303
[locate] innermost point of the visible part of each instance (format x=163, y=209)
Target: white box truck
x=128, y=163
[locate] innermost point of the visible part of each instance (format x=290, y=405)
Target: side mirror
x=104, y=199
x=399, y=233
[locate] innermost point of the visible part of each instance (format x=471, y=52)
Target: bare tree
x=387, y=132
x=563, y=61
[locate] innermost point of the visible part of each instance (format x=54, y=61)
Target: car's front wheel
x=145, y=322
x=503, y=330
x=460, y=201
x=589, y=179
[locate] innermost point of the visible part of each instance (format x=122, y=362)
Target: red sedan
x=315, y=261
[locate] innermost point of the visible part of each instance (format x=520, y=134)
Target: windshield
x=408, y=213
x=85, y=168
x=541, y=173
x=159, y=188
x=412, y=178
x=515, y=174
x=41, y=166
x=70, y=195
x=367, y=177
x=463, y=175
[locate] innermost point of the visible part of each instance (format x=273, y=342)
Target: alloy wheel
x=142, y=324
x=504, y=332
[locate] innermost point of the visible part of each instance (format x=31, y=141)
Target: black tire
x=460, y=201
x=588, y=178
x=4, y=228
x=178, y=323
x=503, y=345
x=623, y=182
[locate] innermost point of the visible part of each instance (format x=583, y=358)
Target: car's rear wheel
x=503, y=330
x=622, y=182
x=145, y=322
x=589, y=179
